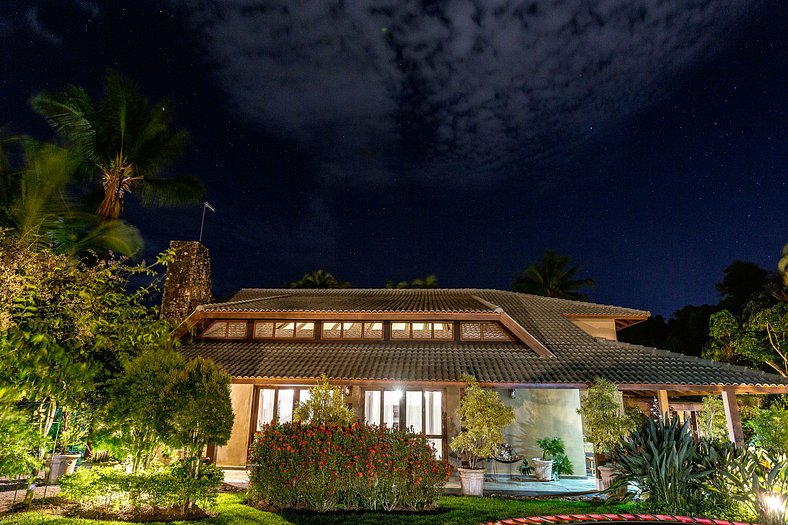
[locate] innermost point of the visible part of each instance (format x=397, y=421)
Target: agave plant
x=669, y=466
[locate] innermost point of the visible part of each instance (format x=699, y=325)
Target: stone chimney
x=188, y=280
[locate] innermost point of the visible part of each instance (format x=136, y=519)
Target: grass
x=454, y=510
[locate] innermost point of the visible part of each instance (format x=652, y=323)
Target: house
x=400, y=356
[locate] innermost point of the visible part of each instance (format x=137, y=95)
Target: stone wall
x=188, y=281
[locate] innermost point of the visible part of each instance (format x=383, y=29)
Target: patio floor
x=493, y=485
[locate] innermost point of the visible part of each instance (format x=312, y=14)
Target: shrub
x=771, y=428
x=111, y=488
x=482, y=416
x=752, y=477
x=670, y=467
x=330, y=467
x=326, y=405
x=605, y=423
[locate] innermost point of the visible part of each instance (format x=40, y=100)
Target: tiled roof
x=489, y=362
x=579, y=357
x=386, y=300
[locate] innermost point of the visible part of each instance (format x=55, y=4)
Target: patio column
x=662, y=401
x=732, y=417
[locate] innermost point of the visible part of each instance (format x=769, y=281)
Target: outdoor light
x=398, y=394
x=775, y=506
x=512, y=393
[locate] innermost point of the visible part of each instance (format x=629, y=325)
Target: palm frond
x=70, y=113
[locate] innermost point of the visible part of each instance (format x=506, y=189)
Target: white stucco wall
x=543, y=413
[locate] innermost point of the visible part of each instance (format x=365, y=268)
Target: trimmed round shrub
x=324, y=468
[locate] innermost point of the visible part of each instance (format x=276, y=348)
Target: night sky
x=387, y=140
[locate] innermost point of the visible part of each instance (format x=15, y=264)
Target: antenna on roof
x=205, y=205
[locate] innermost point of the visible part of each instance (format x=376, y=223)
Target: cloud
x=35, y=25
x=463, y=92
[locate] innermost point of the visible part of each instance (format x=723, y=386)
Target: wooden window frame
x=227, y=322
x=432, y=331
x=481, y=332
x=295, y=330
x=342, y=331
x=403, y=412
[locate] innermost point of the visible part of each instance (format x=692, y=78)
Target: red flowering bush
x=323, y=468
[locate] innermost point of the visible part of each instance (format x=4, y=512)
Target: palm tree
x=428, y=281
x=318, y=279
x=552, y=278
x=122, y=142
x=36, y=204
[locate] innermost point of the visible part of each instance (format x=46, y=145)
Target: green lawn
x=453, y=511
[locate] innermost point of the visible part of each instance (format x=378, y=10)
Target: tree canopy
x=552, y=277
x=122, y=142
x=318, y=279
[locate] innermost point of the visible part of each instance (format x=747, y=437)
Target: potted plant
x=605, y=424
x=70, y=434
x=554, y=461
x=482, y=419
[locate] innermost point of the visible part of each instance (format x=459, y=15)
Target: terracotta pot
x=543, y=469
x=61, y=465
x=472, y=481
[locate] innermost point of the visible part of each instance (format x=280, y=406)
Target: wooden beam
x=732, y=417
x=662, y=401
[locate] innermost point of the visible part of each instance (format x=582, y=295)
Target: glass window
x=373, y=330
x=284, y=405
x=236, y=330
x=332, y=330
x=372, y=407
x=263, y=329
x=432, y=413
x=413, y=411
x=218, y=329
x=305, y=330
x=423, y=411
x=443, y=330
x=400, y=330
x=286, y=329
x=265, y=407
x=391, y=400
x=352, y=330
x=437, y=445
x=423, y=330
x=484, y=332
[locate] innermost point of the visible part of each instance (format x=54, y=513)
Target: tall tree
x=37, y=203
x=318, y=279
x=552, y=277
x=741, y=281
x=756, y=334
x=122, y=141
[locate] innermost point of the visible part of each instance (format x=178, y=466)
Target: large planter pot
x=543, y=469
x=471, y=481
x=607, y=474
x=61, y=465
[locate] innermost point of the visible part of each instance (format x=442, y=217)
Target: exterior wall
x=544, y=413
x=604, y=328
x=233, y=454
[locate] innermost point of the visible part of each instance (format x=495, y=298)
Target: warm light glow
x=775, y=502
x=418, y=326
x=398, y=394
